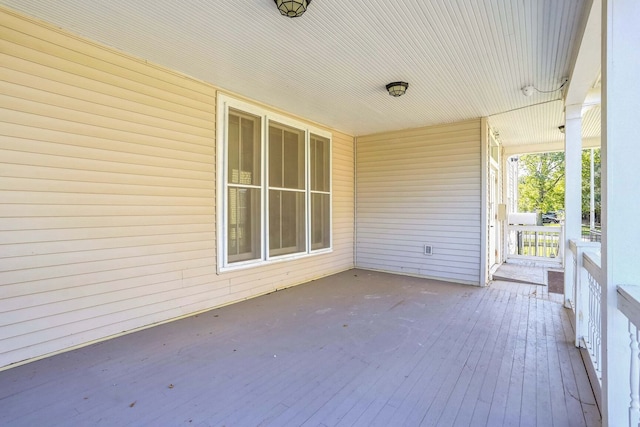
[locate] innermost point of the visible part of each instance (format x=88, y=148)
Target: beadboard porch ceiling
x=463, y=59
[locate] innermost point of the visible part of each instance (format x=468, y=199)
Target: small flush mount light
x=292, y=8
x=397, y=88
x=531, y=89
x=528, y=90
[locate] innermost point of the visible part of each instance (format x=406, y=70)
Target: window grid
x=302, y=190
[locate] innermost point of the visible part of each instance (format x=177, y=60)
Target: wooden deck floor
x=357, y=348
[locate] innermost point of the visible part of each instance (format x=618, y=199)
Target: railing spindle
x=576, y=283
x=634, y=378
x=598, y=323
x=590, y=316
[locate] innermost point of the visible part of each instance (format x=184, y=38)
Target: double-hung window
x=274, y=192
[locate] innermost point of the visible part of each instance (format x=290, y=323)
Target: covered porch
x=125, y=204
x=355, y=348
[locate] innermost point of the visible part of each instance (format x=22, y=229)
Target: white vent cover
x=428, y=250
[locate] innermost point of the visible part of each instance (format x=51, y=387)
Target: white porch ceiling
x=535, y=128
x=463, y=59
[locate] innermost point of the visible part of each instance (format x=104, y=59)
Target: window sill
x=244, y=265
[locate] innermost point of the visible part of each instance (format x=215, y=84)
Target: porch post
x=592, y=200
x=573, y=190
x=621, y=198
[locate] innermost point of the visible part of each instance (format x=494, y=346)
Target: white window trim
x=224, y=102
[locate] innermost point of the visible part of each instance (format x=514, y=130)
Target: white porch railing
x=629, y=305
x=593, y=338
x=533, y=242
x=587, y=304
x=584, y=297
x=574, y=291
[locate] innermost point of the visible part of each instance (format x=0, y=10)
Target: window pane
x=233, y=149
x=286, y=157
x=286, y=222
x=249, y=174
x=319, y=163
x=243, y=148
x=275, y=157
x=294, y=160
x=320, y=221
x=243, y=224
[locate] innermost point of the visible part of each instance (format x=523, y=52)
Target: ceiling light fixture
x=292, y=8
x=530, y=89
x=397, y=88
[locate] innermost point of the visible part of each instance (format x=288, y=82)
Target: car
x=550, y=218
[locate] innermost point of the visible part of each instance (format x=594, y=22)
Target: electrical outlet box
x=428, y=250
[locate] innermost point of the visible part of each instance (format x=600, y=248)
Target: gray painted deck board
x=357, y=348
x=497, y=401
x=482, y=386
x=487, y=364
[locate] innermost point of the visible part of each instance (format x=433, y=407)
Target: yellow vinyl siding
x=417, y=187
x=107, y=196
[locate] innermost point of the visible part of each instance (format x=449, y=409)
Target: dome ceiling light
x=292, y=8
x=397, y=88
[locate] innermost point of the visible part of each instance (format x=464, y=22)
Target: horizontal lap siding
x=107, y=196
x=417, y=187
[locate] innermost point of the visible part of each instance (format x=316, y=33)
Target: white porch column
x=592, y=199
x=621, y=194
x=573, y=189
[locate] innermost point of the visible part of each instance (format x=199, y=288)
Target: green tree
x=541, y=183
x=586, y=171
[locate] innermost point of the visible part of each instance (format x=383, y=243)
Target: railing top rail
x=629, y=303
x=547, y=260
x=591, y=262
x=535, y=228
x=575, y=244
